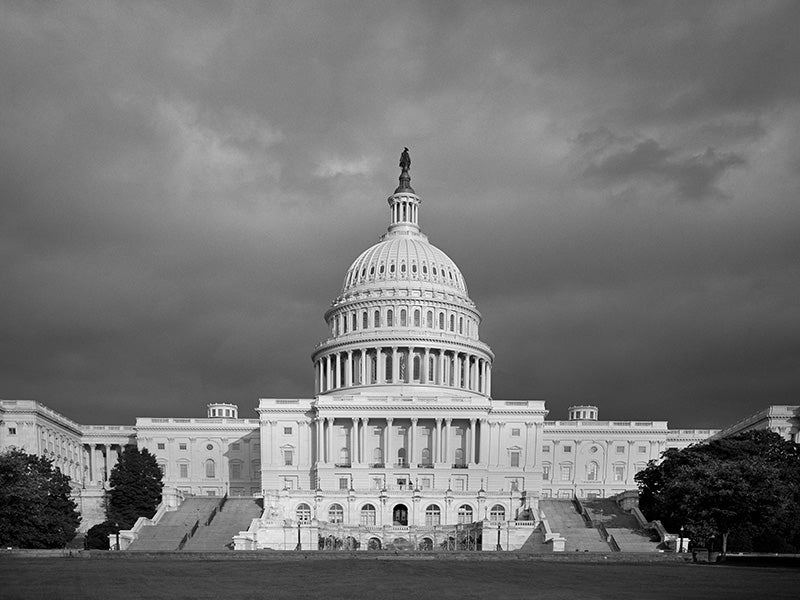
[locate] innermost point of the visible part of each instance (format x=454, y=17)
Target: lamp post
x=499, y=547
x=116, y=526
x=680, y=541
x=299, y=544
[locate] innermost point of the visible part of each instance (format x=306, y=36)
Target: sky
x=183, y=186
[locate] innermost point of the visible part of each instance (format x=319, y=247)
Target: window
x=335, y=513
x=459, y=456
x=433, y=515
x=255, y=466
x=12, y=431
x=465, y=513
x=546, y=449
x=592, y=470
x=429, y=320
x=368, y=515
x=426, y=456
x=161, y=446
x=211, y=469
x=441, y=320
x=183, y=471
x=236, y=469
x=514, y=458
x=425, y=483
x=620, y=449
x=364, y=323
x=619, y=472
x=288, y=457
x=287, y=431
x=452, y=323
x=567, y=448
x=377, y=483
x=163, y=466
x=416, y=317
x=288, y=483
x=403, y=320
x=377, y=319
x=182, y=446
x=497, y=514
x=236, y=446
x=566, y=472
x=515, y=432
x=546, y=472
x=642, y=449
x=377, y=456
x=390, y=318
x=303, y=513
x=343, y=483
x=458, y=484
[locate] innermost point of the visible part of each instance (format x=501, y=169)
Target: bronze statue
x=405, y=160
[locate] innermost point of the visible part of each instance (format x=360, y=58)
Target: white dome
x=403, y=258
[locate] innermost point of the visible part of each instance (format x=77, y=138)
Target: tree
x=748, y=484
x=136, y=487
x=97, y=536
x=37, y=511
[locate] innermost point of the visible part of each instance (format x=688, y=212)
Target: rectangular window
x=182, y=446
x=515, y=459
x=620, y=449
x=344, y=483
x=161, y=446
x=642, y=449
x=425, y=483
x=288, y=457
x=183, y=470
x=288, y=483
x=619, y=473
x=287, y=431
x=12, y=431
x=546, y=472
x=567, y=448
x=546, y=449
x=515, y=432
x=236, y=470
x=566, y=472
x=377, y=483
x=236, y=446
x=458, y=485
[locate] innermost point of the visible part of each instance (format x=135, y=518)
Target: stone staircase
x=535, y=544
x=235, y=516
x=564, y=519
x=167, y=534
x=630, y=537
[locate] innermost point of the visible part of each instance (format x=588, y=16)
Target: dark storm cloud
x=184, y=186
x=693, y=177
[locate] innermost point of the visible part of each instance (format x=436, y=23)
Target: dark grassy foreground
x=65, y=578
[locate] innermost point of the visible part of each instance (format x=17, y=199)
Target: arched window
x=303, y=513
x=441, y=320
x=401, y=457
x=452, y=323
x=465, y=513
x=374, y=369
x=335, y=513
x=497, y=514
x=211, y=469
x=344, y=457
x=364, y=320
x=426, y=456
x=460, y=456
x=344, y=323
x=368, y=514
x=377, y=319
x=163, y=466
x=354, y=321
x=461, y=325
x=377, y=456
x=433, y=515
x=429, y=320
x=390, y=318
x=236, y=469
x=417, y=367
x=403, y=321
x=416, y=317
x=591, y=471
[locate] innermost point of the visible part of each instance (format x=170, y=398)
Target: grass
x=88, y=579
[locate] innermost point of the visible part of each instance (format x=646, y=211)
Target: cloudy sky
x=183, y=186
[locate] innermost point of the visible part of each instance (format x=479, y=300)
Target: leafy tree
x=97, y=536
x=748, y=485
x=37, y=511
x=135, y=487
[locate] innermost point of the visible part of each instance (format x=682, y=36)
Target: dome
x=399, y=258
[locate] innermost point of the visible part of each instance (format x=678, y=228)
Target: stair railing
x=612, y=543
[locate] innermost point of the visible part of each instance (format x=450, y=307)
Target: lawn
x=88, y=579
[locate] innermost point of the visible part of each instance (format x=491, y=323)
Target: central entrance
x=400, y=515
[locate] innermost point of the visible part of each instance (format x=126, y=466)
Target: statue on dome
x=405, y=160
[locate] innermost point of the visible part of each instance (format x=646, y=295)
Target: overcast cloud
x=183, y=186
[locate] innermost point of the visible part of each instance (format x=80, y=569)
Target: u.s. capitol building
x=402, y=439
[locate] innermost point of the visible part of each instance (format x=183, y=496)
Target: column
x=488, y=379
x=107, y=448
x=413, y=443
x=362, y=441
x=440, y=379
x=379, y=366
x=423, y=372
x=629, y=468
x=362, y=367
x=471, y=459
x=338, y=377
x=528, y=444
x=318, y=428
x=499, y=456
x=388, y=460
x=447, y=442
x=395, y=366
x=349, y=369
x=330, y=421
x=483, y=448
x=437, y=442
x=354, y=437
x=329, y=378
